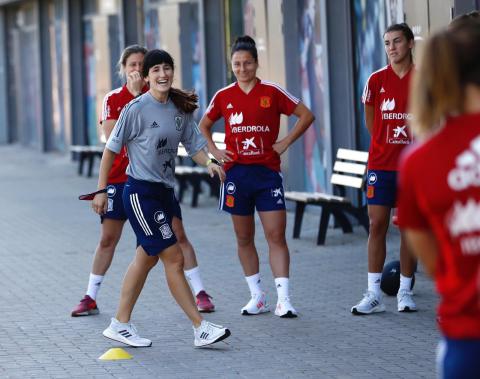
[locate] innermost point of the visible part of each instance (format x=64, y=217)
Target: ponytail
x=436, y=89
x=450, y=62
x=187, y=101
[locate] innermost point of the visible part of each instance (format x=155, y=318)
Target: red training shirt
x=439, y=190
x=252, y=121
x=113, y=104
x=388, y=94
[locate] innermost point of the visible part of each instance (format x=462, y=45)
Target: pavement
x=47, y=240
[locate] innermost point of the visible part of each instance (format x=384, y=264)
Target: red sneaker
x=87, y=307
x=203, y=302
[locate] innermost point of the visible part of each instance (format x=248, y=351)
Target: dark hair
x=450, y=61
x=187, y=101
x=245, y=43
x=404, y=28
x=129, y=50
x=470, y=16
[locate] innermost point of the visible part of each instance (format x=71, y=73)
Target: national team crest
x=230, y=201
x=265, y=101
x=178, y=122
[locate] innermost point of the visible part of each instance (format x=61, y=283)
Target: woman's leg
x=172, y=259
x=111, y=232
x=244, y=227
x=133, y=283
x=379, y=217
x=274, y=225
x=190, y=259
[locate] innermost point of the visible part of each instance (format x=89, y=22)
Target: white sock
x=94, y=283
x=193, y=277
x=374, y=279
x=282, y=288
x=405, y=283
x=253, y=282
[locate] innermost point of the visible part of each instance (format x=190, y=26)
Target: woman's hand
x=222, y=155
x=135, y=83
x=214, y=168
x=280, y=146
x=99, y=203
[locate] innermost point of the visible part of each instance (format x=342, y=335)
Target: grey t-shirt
x=152, y=131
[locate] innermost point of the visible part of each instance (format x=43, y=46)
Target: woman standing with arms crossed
x=439, y=190
x=151, y=127
x=130, y=63
x=251, y=109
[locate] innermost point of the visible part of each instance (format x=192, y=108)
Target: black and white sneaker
x=208, y=333
x=371, y=303
x=125, y=333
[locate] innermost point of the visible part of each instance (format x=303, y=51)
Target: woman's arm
x=305, y=119
x=425, y=247
x=369, y=116
x=205, y=127
x=201, y=158
x=99, y=203
x=107, y=127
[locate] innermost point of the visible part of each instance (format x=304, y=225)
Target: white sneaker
x=208, y=333
x=285, y=310
x=371, y=303
x=125, y=333
x=405, y=301
x=256, y=305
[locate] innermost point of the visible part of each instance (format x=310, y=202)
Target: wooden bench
x=348, y=172
x=194, y=175
x=87, y=154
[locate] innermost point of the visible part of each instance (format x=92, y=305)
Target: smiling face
x=160, y=79
x=397, y=47
x=244, y=66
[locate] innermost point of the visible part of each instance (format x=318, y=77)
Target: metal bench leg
x=81, y=160
x=91, y=159
x=342, y=220
x=182, y=185
x=196, y=184
x=299, y=209
x=322, y=229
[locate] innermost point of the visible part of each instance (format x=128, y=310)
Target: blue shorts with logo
x=458, y=358
x=115, y=209
x=247, y=187
x=382, y=188
x=150, y=208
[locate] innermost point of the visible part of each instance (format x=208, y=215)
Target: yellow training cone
x=115, y=354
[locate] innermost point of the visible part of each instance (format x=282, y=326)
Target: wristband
x=90, y=196
x=208, y=162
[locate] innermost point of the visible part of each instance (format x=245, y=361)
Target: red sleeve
x=109, y=108
x=410, y=215
x=286, y=102
x=368, y=97
x=214, y=110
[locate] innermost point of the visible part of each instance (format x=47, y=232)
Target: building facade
x=59, y=59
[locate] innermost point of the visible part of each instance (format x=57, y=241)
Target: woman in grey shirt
x=151, y=127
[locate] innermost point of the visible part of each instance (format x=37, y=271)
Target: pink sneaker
x=86, y=307
x=203, y=302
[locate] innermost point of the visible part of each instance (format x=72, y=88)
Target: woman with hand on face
x=251, y=108
x=151, y=127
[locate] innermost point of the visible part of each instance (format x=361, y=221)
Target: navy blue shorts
x=150, y=208
x=247, y=187
x=458, y=359
x=382, y=188
x=115, y=208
